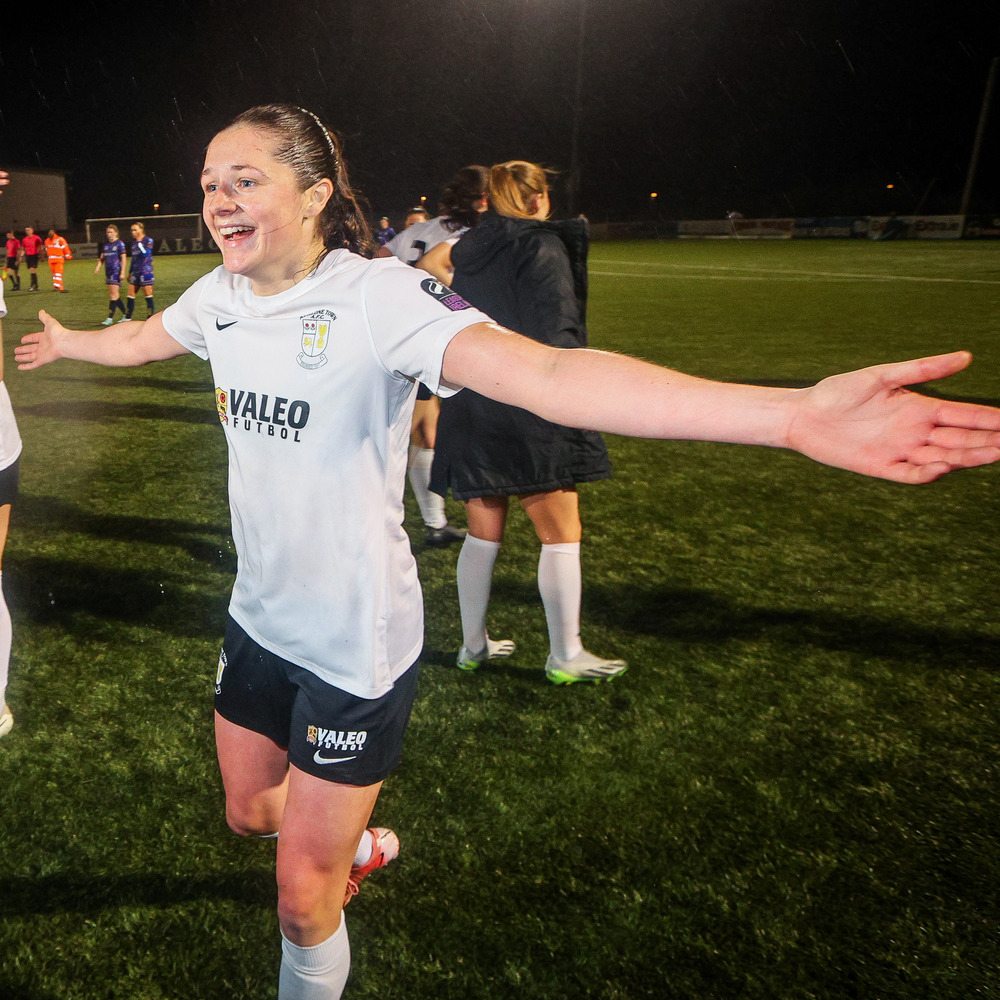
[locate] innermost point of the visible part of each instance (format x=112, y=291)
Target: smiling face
x=262, y=221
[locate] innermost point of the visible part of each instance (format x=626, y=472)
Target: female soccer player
x=314, y=348
x=530, y=275
x=112, y=255
x=10, y=461
x=140, y=270
x=463, y=200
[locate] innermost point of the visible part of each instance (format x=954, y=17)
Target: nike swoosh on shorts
x=330, y=760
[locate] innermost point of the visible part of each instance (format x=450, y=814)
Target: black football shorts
x=327, y=732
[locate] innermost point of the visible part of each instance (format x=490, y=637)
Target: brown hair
x=461, y=195
x=313, y=152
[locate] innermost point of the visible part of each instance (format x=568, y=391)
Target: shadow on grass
x=188, y=536
x=110, y=413
x=54, y=591
x=31, y=896
x=126, y=381
x=706, y=618
x=12, y=989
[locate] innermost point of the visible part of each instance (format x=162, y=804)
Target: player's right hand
x=37, y=349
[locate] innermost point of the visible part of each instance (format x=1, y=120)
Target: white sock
x=431, y=504
x=366, y=848
x=316, y=973
x=560, y=583
x=6, y=633
x=474, y=574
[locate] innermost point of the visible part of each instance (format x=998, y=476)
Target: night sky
x=790, y=107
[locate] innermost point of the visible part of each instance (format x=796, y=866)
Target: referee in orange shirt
x=58, y=252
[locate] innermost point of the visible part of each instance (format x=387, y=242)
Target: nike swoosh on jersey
x=223, y=326
x=330, y=760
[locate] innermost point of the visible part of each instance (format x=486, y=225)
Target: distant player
x=112, y=255
x=58, y=252
x=13, y=262
x=141, y=270
x=415, y=215
x=31, y=247
x=385, y=232
x=462, y=202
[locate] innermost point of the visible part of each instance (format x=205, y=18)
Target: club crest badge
x=221, y=403
x=315, y=337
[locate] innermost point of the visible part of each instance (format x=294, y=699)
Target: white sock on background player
x=5, y=640
x=431, y=504
x=316, y=973
x=475, y=580
x=560, y=582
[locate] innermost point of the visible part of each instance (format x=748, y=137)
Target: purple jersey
x=141, y=271
x=111, y=254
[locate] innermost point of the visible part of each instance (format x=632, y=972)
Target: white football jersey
x=314, y=392
x=10, y=438
x=414, y=241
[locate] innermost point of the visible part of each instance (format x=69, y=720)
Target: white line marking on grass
x=758, y=274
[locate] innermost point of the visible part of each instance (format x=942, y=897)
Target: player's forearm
x=125, y=344
x=623, y=395
x=616, y=394
x=117, y=346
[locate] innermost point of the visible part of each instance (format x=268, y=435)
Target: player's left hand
x=4, y=179
x=866, y=421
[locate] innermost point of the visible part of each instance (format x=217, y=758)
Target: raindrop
x=846, y=57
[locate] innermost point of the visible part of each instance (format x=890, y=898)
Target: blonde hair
x=513, y=184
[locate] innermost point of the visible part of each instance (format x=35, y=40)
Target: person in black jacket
x=530, y=275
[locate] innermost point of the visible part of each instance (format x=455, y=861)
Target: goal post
x=185, y=231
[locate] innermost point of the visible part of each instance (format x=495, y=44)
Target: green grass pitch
x=793, y=792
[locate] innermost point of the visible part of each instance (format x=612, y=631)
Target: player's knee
x=307, y=907
x=250, y=821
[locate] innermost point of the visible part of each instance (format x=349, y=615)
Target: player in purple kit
x=112, y=255
x=141, y=270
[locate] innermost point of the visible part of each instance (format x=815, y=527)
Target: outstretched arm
x=437, y=261
x=865, y=421
x=124, y=344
